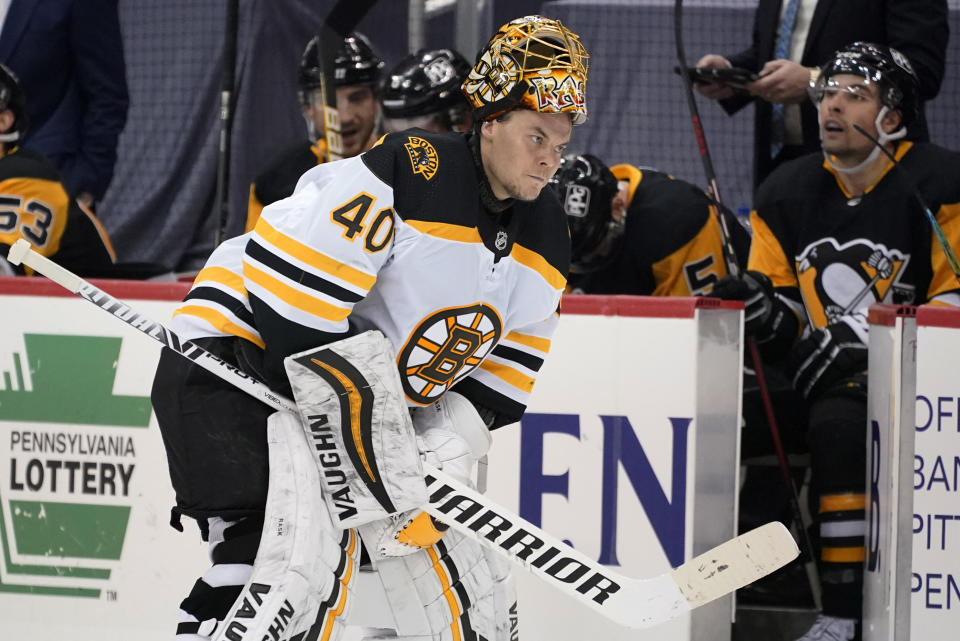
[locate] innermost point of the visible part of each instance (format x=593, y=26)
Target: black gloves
x=765, y=317
x=826, y=357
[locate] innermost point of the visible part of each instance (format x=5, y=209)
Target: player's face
x=850, y=101
x=358, y=109
x=522, y=152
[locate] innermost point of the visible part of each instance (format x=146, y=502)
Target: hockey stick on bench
x=633, y=603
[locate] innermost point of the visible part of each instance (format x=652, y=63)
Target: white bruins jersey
x=397, y=239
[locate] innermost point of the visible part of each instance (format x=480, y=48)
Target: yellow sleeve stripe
x=314, y=258
x=459, y=233
x=842, y=502
x=767, y=256
x=101, y=231
x=539, y=264
x=843, y=555
x=510, y=375
x=294, y=297
x=541, y=344
x=632, y=175
x=220, y=322
x=254, y=209
x=223, y=276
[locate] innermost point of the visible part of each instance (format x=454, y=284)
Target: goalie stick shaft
x=733, y=269
x=634, y=603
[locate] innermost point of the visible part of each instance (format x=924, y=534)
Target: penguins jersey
x=397, y=239
x=671, y=243
x=35, y=206
x=831, y=255
x=281, y=175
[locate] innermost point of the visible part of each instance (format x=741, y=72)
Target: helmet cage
x=532, y=62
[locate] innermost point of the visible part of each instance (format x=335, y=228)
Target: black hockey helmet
x=425, y=82
x=586, y=187
x=355, y=63
x=881, y=65
x=13, y=98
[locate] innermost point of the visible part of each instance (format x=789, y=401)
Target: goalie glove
x=452, y=437
x=826, y=357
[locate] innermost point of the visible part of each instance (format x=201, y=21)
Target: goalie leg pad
x=301, y=579
x=459, y=589
x=355, y=415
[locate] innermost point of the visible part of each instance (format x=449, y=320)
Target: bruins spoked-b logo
x=423, y=157
x=836, y=280
x=445, y=347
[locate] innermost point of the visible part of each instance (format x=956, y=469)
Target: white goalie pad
x=352, y=404
x=301, y=578
x=458, y=588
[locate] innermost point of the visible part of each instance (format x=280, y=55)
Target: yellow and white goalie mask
x=531, y=62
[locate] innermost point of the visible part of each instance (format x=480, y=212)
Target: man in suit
x=68, y=55
x=793, y=38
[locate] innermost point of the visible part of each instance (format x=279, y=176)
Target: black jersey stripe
x=507, y=409
x=529, y=361
x=231, y=303
x=264, y=256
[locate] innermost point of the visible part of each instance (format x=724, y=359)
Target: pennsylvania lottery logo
x=68, y=464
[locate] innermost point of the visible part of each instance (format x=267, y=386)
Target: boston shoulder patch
x=423, y=156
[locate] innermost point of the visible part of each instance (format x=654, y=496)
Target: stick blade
x=18, y=251
x=736, y=563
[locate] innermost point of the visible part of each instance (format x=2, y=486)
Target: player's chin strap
x=10, y=137
x=882, y=137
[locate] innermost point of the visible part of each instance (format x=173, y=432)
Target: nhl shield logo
x=423, y=157
x=501, y=241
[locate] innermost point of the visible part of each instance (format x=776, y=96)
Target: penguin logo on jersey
x=423, y=157
x=836, y=280
x=445, y=347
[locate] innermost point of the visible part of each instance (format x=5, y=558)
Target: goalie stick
x=630, y=602
x=733, y=268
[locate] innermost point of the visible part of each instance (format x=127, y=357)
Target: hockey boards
x=633, y=603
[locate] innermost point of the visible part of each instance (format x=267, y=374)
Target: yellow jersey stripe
x=539, y=264
x=447, y=592
x=223, y=276
x=767, y=256
x=843, y=555
x=537, y=343
x=294, y=297
x=447, y=231
x=314, y=258
x=510, y=375
x=220, y=322
x=842, y=502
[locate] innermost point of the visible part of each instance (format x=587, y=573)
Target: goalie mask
x=532, y=62
x=355, y=63
x=426, y=85
x=586, y=187
x=12, y=98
